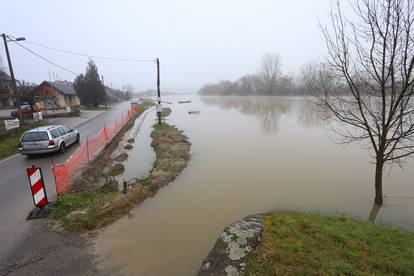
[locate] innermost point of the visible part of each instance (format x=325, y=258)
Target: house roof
x=4, y=76
x=65, y=87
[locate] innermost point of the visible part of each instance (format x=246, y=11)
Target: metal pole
x=13, y=80
x=158, y=89
x=87, y=147
x=124, y=188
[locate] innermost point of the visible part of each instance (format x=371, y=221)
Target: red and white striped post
x=37, y=186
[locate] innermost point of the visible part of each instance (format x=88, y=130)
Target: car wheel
x=77, y=138
x=62, y=148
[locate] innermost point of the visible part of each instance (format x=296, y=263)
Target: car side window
x=61, y=131
x=67, y=129
x=54, y=133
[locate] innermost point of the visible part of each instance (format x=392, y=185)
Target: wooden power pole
x=16, y=93
x=159, y=110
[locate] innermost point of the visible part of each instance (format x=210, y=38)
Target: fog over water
x=196, y=41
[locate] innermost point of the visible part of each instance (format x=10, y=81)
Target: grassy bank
x=9, y=142
x=97, y=207
x=312, y=244
x=100, y=107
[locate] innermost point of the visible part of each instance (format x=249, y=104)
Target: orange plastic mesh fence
x=111, y=130
x=77, y=160
x=95, y=144
x=63, y=173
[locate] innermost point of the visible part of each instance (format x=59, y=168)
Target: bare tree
x=319, y=79
x=374, y=56
x=269, y=73
x=247, y=84
x=26, y=91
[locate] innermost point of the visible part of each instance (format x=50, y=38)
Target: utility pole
x=16, y=94
x=158, y=92
x=106, y=104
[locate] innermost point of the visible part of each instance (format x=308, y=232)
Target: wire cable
x=86, y=55
x=45, y=59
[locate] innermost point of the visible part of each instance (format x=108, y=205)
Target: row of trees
x=89, y=88
x=92, y=92
x=268, y=80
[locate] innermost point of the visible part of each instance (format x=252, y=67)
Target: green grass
x=91, y=202
x=100, y=107
x=312, y=244
x=2, y=126
x=9, y=144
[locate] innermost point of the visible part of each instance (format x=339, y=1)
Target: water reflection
x=310, y=115
x=240, y=170
x=269, y=110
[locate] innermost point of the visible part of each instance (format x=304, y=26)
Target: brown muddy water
x=249, y=155
x=141, y=153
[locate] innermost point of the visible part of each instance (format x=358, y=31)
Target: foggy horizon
x=196, y=42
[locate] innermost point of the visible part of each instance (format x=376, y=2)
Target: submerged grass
x=85, y=210
x=313, y=244
x=80, y=209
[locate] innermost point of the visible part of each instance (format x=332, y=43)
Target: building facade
x=56, y=94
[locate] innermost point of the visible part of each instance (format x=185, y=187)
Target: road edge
x=80, y=125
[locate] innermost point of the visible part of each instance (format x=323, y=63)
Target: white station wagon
x=47, y=139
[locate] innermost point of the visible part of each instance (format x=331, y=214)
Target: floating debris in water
x=128, y=147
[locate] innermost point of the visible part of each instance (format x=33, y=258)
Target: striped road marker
x=37, y=187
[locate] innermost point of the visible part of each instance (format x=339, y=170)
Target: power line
x=86, y=55
x=45, y=59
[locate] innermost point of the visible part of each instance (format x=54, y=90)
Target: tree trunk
x=378, y=182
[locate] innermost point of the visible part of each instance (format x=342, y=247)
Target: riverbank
x=92, y=205
x=288, y=243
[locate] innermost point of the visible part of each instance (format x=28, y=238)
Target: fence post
x=87, y=147
x=54, y=177
x=124, y=188
x=106, y=135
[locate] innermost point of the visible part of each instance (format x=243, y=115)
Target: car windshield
x=35, y=136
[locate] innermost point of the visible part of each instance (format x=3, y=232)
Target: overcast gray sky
x=197, y=41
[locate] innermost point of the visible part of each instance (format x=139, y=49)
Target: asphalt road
x=16, y=201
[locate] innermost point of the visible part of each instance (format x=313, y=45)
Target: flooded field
x=249, y=155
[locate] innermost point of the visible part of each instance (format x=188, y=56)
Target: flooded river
x=249, y=155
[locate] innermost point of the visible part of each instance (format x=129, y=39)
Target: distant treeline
x=268, y=80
